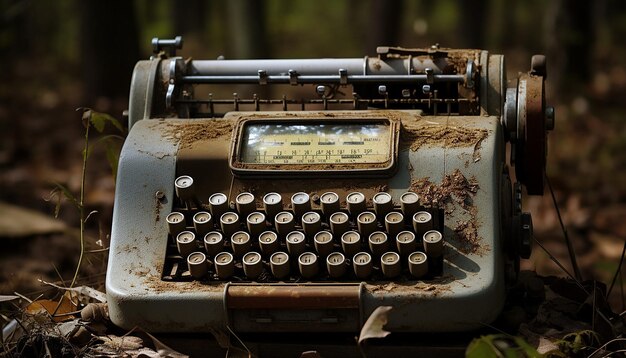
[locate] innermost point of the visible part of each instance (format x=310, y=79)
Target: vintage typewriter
x=323, y=189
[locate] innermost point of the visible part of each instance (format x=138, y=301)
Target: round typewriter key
x=406, y=243
x=296, y=243
x=184, y=187
x=330, y=203
x=224, y=265
x=394, y=223
x=218, y=205
x=279, y=263
x=202, y=222
x=383, y=204
x=410, y=203
x=378, y=243
x=241, y=243
x=390, y=264
x=186, y=243
x=336, y=265
x=418, y=264
x=323, y=242
x=197, y=264
x=229, y=223
x=362, y=265
x=311, y=223
x=284, y=223
x=301, y=203
x=175, y=223
x=366, y=222
x=356, y=203
x=252, y=265
x=351, y=243
x=273, y=204
x=307, y=263
x=213, y=243
x=268, y=241
x=433, y=243
x=256, y=223
x=422, y=222
x=245, y=204
x=339, y=223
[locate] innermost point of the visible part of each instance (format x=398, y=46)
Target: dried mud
x=454, y=188
x=191, y=132
x=440, y=135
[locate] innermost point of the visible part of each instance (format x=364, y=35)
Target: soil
x=191, y=132
x=440, y=135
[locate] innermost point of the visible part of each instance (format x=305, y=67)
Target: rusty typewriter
x=297, y=195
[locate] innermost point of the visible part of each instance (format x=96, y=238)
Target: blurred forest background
x=60, y=55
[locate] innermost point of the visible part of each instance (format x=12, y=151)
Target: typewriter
x=323, y=189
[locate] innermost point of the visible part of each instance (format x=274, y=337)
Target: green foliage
x=500, y=346
x=578, y=344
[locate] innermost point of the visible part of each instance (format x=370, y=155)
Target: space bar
x=292, y=296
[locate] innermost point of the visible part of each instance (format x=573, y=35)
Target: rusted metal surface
x=305, y=297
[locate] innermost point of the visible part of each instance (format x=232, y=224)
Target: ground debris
x=189, y=133
x=415, y=137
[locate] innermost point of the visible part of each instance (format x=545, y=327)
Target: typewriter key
x=256, y=223
x=240, y=243
x=323, y=242
x=202, y=222
x=213, y=243
x=229, y=223
x=378, y=243
x=296, y=243
x=224, y=265
x=307, y=263
x=218, y=205
x=273, y=204
x=339, y=223
x=186, y=243
x=197, y=264
x=410, y=203
x=252, y=265
x=279, y=264
x=184, y=188
x=284, y=223
x=245, y=204
x=356, y=203
x=366, y=222
x=422, y=222
x=394, y=223
x=330, y=203
x=311, y=223
x=301, y=203
x=390, y=264
x=418, y=264
x=351, y=243
x=406, y=243
x=382, y=204
x=336, y=265
x=362, y=265
x=433, y=243
x=268, y=241
x=175, y=223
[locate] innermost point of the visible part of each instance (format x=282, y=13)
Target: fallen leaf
x=374, y=326
x=49, y=307
x=16, y=221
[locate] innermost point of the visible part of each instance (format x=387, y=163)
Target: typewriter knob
x=526, y=235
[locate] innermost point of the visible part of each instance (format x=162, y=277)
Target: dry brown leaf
x=374, y=326
x=50, y=307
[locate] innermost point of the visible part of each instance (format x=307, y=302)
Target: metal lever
x=168, y=45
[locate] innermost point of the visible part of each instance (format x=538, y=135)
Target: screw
x=159, y=195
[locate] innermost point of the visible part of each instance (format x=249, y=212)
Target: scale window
x=316, y=143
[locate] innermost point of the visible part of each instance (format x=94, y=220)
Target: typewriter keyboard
x=298, y=238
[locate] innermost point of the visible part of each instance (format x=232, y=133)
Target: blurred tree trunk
x=569, y=41
x=247, y=35
x=109, y=47
x=472, y=24
x=384, y=25
x=190, y=17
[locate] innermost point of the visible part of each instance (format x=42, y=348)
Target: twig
x=560, y=265
x=606, y=345
x=619, y=269
x=570, y=248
